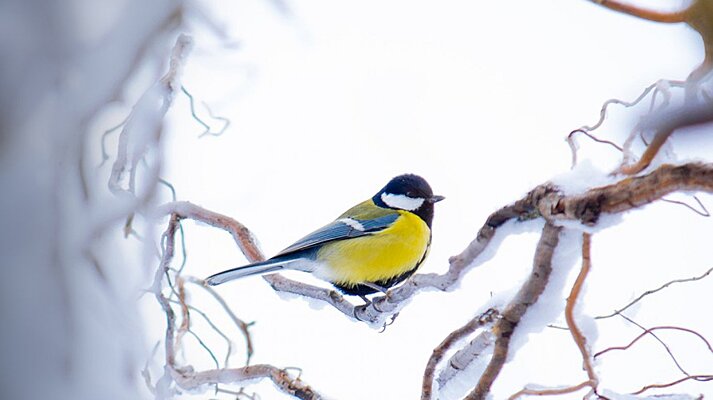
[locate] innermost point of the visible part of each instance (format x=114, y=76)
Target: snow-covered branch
x=185, y=377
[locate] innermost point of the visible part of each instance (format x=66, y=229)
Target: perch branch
x=544, y=200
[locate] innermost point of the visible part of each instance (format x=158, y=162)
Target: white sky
x=330, y=102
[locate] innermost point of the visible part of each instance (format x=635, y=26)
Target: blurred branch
x=207, y=129
x=143, y=125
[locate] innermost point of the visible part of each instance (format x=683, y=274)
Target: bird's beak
x=435, y=199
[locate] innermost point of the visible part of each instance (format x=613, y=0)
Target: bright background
x=330, y=99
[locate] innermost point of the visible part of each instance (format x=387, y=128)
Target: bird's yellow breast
x=384, y=255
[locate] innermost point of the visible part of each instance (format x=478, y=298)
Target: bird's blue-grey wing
x=343, y=228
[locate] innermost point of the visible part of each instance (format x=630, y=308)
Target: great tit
x=371, y=247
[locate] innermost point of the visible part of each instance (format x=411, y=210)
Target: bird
x=370, y=248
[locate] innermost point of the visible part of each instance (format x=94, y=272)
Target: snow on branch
x=143, y=125
x=185, y=377
x=511, y=316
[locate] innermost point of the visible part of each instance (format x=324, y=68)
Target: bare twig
x=656, y=328
x=652, y=291
x=526, y=296
x=242, y=325
x=573, y=144
x=214, y=327
x=703, y=213
x=193, y=110
x=700, y=378
x=658, y=339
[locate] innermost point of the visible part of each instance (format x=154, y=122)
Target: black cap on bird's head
x=411, y=193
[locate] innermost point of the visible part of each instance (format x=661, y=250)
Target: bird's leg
x=366, y=300
x=375, y=287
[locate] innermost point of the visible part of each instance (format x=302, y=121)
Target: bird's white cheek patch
x=401, y=201
x=352, y=223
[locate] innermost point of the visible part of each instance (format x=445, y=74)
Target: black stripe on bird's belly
x=362, y=290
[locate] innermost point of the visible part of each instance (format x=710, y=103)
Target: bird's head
x=410, y=193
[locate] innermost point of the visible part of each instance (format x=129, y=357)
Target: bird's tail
x=258, y=268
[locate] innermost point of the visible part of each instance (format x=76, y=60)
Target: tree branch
x=511, y=316
x=628, y=194
x=439, y=352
